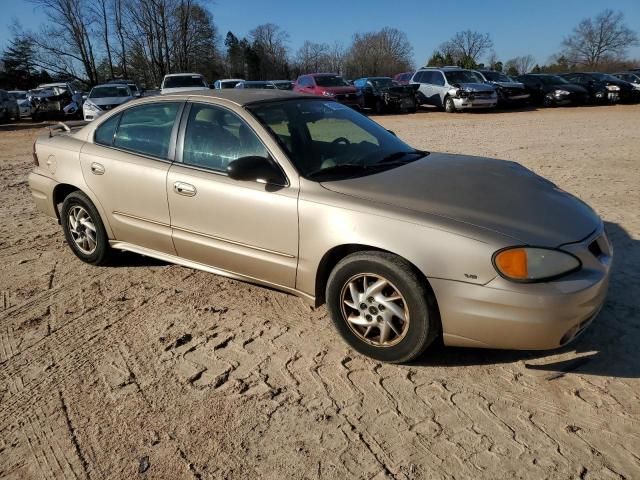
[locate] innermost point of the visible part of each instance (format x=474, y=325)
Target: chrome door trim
x=233, y=242
x=310, y=299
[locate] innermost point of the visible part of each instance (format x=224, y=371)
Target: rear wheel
x=380, y=306
x=449, y=105
x=84, y=230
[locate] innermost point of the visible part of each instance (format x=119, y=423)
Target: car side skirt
x=118, y=245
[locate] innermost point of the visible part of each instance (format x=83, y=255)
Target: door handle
x=97, y=168
x=185, y=189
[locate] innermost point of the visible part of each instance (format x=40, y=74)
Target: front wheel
x=380, y=306
x=449, y=105
x=84, y=230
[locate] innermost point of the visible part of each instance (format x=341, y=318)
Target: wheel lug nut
x=367, y=316
x=363, y=306
x=381, y=308
x=370, y=299
x=379, y=318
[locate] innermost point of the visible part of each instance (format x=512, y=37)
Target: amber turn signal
x=513, y=263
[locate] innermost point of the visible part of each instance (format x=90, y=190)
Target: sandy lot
x=154, y=368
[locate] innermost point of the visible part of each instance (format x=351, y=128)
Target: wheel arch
x=331, y=258
x=63, y=190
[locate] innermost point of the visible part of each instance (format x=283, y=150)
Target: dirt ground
x=153, y=370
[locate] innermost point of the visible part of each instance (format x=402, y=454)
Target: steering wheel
x=341, y=140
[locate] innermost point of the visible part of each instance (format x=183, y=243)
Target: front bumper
x=468, y=103
x=91, y=114
x=535, y=316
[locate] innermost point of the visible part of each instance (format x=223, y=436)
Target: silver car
x=306, y=195
x=453, y=89
x=103, y=98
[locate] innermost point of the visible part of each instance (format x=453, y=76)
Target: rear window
x=109, y=91
x=330, y=81
x=146, y=129
x=184, y=81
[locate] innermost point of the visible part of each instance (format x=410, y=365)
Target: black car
x=383, y=94
x=602, y=87
x=553, y=90
x=510, y=92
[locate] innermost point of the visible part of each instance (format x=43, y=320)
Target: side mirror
x=392, y=133
x=256, y=169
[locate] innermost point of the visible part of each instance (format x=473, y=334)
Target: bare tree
x=467, y=47
x=596, y=39
x=319, y=57
x=522, y=64
x=269, y=42
x=379, y=53
x=102, y=15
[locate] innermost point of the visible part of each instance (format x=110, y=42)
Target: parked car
x=24, y=105
x=133, y=86
x=55, y=100
x=602, y=88
x=283, y=84
x=510, y=92
x=403, y=78
x=553, y=90
x=183, y=82
x=103, y=98
x=259, y=84
x=303, y=194
x=9, y=109
x=382, y=95
x=329, y=85
x=453, y=89
x=632, y=78
x=226, y=83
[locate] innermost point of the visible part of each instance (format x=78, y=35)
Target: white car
x=24, y=104
x=227, y=83
x=103, y=98
x=183, y=82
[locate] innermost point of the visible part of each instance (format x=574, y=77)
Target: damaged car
x=602, y=87
x=454, y=89
x=553, y=91
x=55, y=99
x=103, y=98
x=383, y=94
x=510, y=92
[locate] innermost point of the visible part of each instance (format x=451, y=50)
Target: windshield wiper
x=393, y=157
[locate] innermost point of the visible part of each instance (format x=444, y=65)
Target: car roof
x=241, y=96
x=59, y=84
x=182, y=75
x=449, y=67
x=111, y=84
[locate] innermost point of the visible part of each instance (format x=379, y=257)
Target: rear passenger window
x=437, y=78
x=214, y=137
x=147, y=129
x=106, y=131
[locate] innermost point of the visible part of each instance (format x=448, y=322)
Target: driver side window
x=214, y=137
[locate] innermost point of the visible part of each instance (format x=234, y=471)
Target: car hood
x=339, y=90
x=509, y=84
x=109, y=100
x=497, y=195
x=474, y=87
x=183, y=89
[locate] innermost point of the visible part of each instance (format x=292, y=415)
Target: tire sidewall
x=80, y=199
x=421, y=331
x=449, y=106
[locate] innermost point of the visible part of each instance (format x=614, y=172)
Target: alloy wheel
x=374, y=309
x=82, y=229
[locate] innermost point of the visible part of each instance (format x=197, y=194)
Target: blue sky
x=517, y=27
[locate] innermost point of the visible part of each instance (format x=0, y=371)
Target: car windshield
x=330, y=81
x=496, y=77
x=229, y=84
x=382, y=82
x=256, y=85
x=110, y=91
x=550, y=79
x=284, y=85
x=463, y=76
x=604, y=77
x=18, y=95
x=183, y=81
x=326, y=140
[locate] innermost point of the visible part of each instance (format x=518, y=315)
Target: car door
x=439, y=87
x=125, y=165
x=242, y=227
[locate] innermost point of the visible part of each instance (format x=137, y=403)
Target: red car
x=329, y=85
x=403, y=78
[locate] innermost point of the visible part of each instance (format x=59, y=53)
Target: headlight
x=561, y=92
x=328, y=94
x=462, y=93
x=613, y=88
x=531, y=264
x=91, y=106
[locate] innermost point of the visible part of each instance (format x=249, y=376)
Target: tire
x=79, y=238
x=403, y=340
x=449, y=106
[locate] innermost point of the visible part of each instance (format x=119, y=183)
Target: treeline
x=91, y=41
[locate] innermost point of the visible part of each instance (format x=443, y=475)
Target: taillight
x=36, y=162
